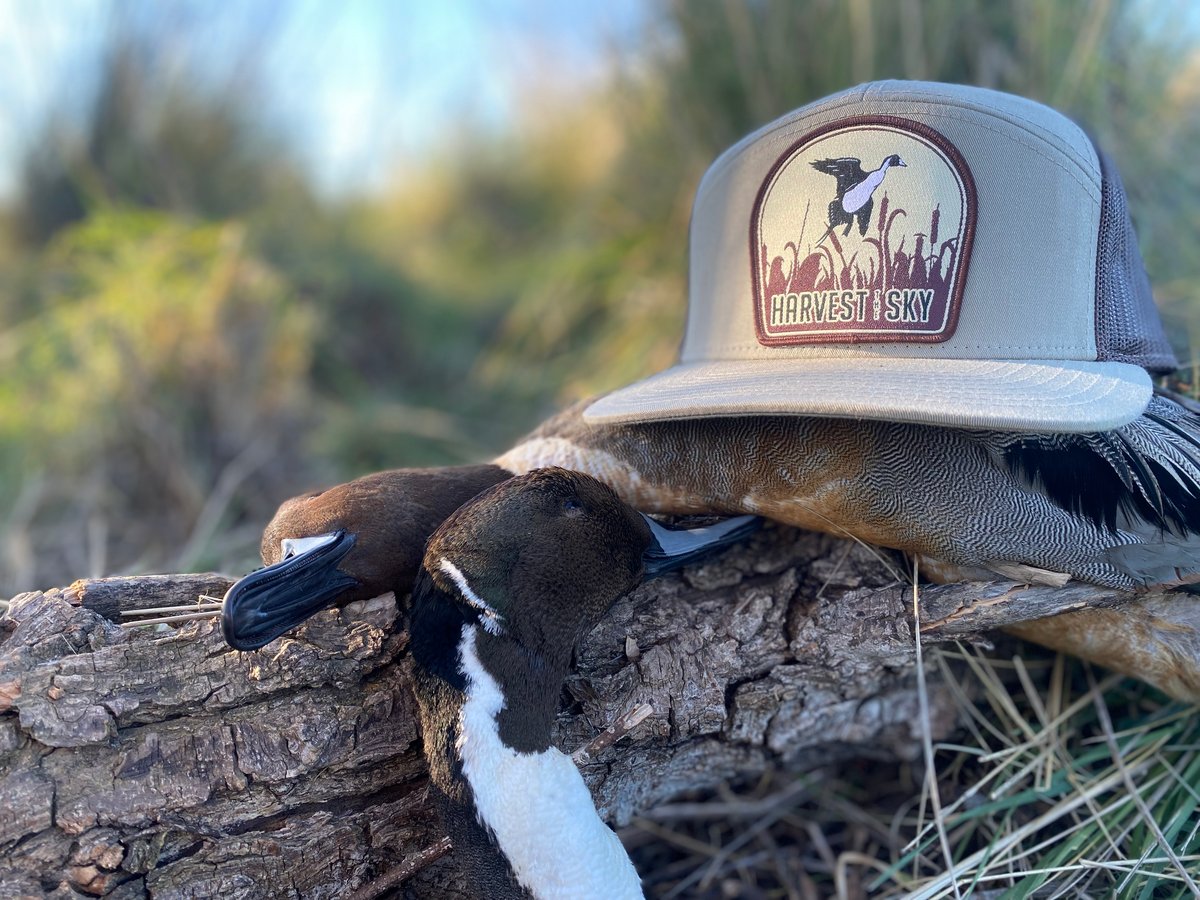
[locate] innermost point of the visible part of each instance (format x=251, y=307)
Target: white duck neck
x=535, y=804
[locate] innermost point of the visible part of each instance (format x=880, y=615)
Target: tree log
x=158, y=762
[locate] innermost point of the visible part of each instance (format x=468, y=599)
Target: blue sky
x=363, y=86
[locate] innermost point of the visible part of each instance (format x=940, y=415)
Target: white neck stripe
x=535, y=804
x=491, y=619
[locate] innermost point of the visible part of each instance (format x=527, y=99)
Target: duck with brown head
x=959, y=383
x=365, y=538
x=350, y=542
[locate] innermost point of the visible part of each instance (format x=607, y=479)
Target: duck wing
x=847, y=170
x=1143, y=475
x=1142, y=480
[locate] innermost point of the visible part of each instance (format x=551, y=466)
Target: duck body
x=855, y=188
x=508, y=586
x=860, y=195
x=1119, y=509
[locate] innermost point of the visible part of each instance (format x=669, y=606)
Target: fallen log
x=156, y=761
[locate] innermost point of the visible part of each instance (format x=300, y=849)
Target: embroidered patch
x=861, y=233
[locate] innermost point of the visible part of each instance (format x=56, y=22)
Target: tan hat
x=914, y=252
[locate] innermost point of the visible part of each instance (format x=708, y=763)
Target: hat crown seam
x=1088, y=165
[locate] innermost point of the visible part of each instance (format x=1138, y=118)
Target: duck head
x=366, y=537
x=351, y=542
x=509, y=584
x=542, y=556
x=529, y=567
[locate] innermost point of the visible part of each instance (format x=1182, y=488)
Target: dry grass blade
x=926, y=735
x=205, y=607
x=1147, y=816
x=775, y=808
x=1063, y=811
x=172, y=620
x=682, y=841
x=728, y=809
x=162, y=610
x=964, y=868
x=835, y=528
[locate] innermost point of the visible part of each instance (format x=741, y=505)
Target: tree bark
x=158, y=762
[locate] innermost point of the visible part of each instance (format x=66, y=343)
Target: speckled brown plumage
x=968, y=499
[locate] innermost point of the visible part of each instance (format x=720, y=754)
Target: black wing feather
x=847, y=170
x=1147, y=470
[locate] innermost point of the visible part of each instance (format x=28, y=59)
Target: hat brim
x=1024, y=395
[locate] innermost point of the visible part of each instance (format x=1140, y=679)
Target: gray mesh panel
x=1128, y=328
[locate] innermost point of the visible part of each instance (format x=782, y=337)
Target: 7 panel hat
x=913, y=252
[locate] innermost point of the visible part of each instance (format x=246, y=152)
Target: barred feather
x=1146, y=473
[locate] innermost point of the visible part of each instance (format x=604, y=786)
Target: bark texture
x=157, y=762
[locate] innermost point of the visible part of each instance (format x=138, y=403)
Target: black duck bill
x=275, y=599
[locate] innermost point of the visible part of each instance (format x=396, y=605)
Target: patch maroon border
x=870, y=274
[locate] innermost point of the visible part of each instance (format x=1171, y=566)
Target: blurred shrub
x=528, y=240
x=156, y=135
x=165, y=372
x=585, y=264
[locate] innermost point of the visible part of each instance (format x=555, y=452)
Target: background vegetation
x=191, y=331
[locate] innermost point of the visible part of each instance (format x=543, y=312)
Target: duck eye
x=572, y=506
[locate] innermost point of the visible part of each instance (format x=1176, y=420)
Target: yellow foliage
x=160, y=352
x=141, y=309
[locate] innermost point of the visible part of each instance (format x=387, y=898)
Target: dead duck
x=364, y=538
x=1004, y=426
x=509, y=584
x=1119, y=508
x=349, y=542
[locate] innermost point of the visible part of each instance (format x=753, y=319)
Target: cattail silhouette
x=919, y=271
x=826, y=268
x=807, y=273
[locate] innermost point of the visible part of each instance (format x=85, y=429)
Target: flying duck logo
x=861, y=233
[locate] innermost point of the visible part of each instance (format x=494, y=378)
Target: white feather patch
x=536, y=804
x=555, y=451
x=491, y=619
x=290, y=547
